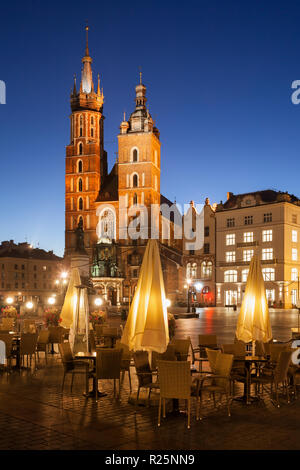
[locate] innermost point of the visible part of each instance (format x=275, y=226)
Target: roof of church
x=109, y=190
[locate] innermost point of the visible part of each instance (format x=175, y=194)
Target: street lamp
x=9, y=300
x=29, y=305
x=98, y=301
x=51, y=300
x=168, y=303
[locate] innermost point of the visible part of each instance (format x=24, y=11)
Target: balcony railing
x=245, y=244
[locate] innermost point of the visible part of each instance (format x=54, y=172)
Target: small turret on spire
x=86, y=75
x=98, y=87
x=74, y=87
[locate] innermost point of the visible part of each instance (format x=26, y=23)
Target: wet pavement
x=35, y=414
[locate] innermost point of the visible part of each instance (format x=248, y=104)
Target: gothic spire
x=86, y=75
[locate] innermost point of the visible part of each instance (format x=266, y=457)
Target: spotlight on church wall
x=98, y=301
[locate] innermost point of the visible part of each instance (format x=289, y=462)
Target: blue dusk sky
x=218, y=77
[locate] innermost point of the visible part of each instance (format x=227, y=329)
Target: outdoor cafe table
x=249, y=360
x=91, y=356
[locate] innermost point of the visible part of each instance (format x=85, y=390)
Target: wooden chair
x=144, y=373
x=125, y=362
x=108, y=366
x=168, y=355
x=73, y=366
x=28, y=345
x=175, y=382
x=218, y=382
x=207, y=341
x=279, y=375
x=182, y=347
x=42, y=343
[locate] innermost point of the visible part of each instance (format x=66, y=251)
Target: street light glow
x=29, y=305
x=168, y=303
x=51, y=300
x=98, y=301
x=198, y=286
x=64, y=275
x=188, y=281
x=9, y=300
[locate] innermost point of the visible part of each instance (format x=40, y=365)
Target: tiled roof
x=24, y=250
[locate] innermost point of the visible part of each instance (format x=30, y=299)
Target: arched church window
x=135, y=180
x=80, y=149
x=80, y=204
x=106, y=227
x=80, y=126
x=135, y=155
x=80, y=185
x=92, y=132
x=135, y=199
x=79, y=166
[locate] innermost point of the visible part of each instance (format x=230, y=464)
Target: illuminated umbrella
x=254, y=321
x=75, y=310
x=147, y=323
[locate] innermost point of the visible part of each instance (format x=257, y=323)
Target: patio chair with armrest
x=72, y=366
x=125, y=362
x=217, y=382
x=146, y=377
x=207, y=341
x=176, y=383
x=43, y=343
x=182, y=347
x=168, y=355
x=108, y=367
x=276, y=375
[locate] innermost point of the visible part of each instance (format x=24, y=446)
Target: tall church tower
x=86, y=159
x=139, y=155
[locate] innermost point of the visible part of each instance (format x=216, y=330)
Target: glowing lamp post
x=9, y=300
x=51, y=300
x=98, y=302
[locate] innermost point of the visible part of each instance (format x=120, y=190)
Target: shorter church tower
x=86, y=159
x=139, y=155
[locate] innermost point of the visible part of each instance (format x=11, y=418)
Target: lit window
x=294, y=236
x=268, y=217
x=268, y=274
x=267, y=235
x=230, y=256
x=248, y=220
x=247, y=255
x=231, y=222
x=245, y=275
x=294, y=254
x=206, y=269
x=248, y=237
x=294, y=274
x=230, y=239
x=230, y=276
x=267, y=253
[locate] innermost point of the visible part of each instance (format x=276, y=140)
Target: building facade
x=266, y=223
x=28, y=274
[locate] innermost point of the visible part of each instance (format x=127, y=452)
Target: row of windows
x=248, y=237
x=23, y=267
x=232, y=275
x=267, y=253
x=268, y=275
x=248, y=219
x=206, y=270
x=18, y=285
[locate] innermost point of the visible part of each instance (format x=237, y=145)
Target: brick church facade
x=106, y=203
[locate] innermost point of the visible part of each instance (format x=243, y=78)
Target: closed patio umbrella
x=254, y=321
x=147, y=323
x=75, y=310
